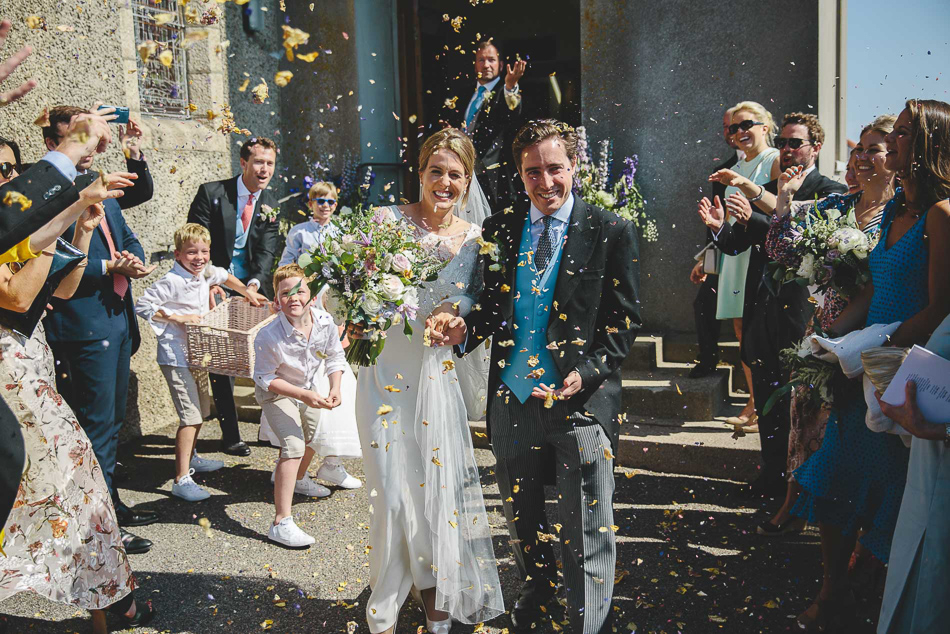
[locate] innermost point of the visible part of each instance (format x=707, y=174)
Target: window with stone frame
x=162, y=68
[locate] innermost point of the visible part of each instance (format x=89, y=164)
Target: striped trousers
x=583, y=465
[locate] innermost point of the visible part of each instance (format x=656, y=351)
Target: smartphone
x=121, y=111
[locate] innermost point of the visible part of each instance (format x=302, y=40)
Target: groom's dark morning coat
x=595, y=314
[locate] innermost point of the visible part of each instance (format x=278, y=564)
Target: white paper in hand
x=931, y=373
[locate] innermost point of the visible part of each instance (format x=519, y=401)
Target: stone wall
x=94, y=59
x=657, y=83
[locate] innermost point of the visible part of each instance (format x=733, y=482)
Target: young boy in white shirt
x=290, y=353
x=180, y=297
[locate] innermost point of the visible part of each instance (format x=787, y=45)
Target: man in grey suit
x=562, y=311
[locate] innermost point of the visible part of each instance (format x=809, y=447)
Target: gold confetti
x=244, y=85
x=260, y=92
x=147, y=49
x=43, y=119
x=292, y=39
x=392, y=388
x=549, y=400
x=283, y=77
x=35, y=22
x=448, y=365
x=308, y=57
x=384, y=409
x=436, y=462
x=167, y=58
x=16, y=198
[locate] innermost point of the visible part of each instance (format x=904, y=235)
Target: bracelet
x=759, y=197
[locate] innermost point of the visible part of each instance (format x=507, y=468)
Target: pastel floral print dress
x=61, y=540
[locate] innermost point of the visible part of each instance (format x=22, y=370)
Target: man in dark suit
x=94, y=334
x=490, y=116
x=772, y=318
x=562, y=312
x=708, y=328
x=241, y=215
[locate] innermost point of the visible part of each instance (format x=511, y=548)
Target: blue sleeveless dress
x=856, y=479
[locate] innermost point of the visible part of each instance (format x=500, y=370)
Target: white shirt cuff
x=61, y=162
x=105, y=267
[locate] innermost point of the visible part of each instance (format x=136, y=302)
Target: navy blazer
x=94, y=312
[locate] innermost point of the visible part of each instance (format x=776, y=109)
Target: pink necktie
x=120, y=283
x=248, y=212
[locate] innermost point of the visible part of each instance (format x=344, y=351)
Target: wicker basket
x=223, y=343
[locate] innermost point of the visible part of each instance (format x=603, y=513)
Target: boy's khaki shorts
x=190, y=394
x=293, y=422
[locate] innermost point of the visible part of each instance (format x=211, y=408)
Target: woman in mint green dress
x=753, y=130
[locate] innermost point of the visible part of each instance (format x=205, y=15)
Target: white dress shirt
x=562, y=218
x=282, y=351
x=178, y=292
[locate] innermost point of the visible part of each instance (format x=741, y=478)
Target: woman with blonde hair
x=429, y=531
x=753, y=130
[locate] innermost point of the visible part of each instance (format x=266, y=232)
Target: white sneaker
x=187, y=489
x=289, y=534
x=204, y=465
x=306, y=486
x=336, y=474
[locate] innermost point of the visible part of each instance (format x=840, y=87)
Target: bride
x=428, y=529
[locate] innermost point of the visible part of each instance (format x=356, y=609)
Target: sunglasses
x=6, y=169
x=781, y=142
x=324, y=201
x=745, y=126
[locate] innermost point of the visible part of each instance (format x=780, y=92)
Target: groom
x=562, y=312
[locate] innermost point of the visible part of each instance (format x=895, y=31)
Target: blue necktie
x=473, y=109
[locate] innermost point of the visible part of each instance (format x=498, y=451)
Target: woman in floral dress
x=875, y=188
x=61, y=540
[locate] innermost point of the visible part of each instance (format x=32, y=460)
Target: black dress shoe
x=702, y=369
x=133, y=517
x=527, y=614
x=134, y=545
x=238, y=448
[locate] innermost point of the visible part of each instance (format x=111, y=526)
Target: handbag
x=65, y=260
x=712, y=257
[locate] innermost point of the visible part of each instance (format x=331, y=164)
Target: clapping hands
x=129, y=265
x=712, y=213
x=739, y=207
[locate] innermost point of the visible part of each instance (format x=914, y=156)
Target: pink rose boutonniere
x=268, y=213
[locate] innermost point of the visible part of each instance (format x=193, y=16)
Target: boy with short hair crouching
x=180, y=297
x=290, y=354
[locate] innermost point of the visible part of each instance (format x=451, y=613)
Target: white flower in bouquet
x=336, y=306
x=848, y=239
x=807, y=267
x=411, y=298
x=832, y=215
x=391, y=287
x=335, y=249
x=371, y=304
x=401, y=263
x=386, y=263
x=350, y=244
x=604, y=199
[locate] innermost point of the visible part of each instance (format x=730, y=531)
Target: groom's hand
x=446, y=329
x=572, y=385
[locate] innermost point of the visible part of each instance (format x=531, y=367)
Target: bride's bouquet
x=372, y=269
x=807, y=370
x=834, y=253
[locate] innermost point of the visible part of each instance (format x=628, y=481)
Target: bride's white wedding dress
x=428, y=526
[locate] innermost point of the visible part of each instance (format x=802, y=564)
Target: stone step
x=669, y=393
x=247, y=408
x=642, y=356
x=682, y=348
x=704, y=449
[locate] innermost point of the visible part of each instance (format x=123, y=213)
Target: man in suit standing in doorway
x=490, y=117
x=243, y=241
x=562, y=311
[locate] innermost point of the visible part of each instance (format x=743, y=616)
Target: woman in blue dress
x=856, y=479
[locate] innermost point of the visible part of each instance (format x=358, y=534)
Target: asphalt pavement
x=688, y=556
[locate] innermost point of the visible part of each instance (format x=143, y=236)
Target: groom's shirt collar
x=563, y=214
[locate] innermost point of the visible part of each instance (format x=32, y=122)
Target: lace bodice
x=458, y=279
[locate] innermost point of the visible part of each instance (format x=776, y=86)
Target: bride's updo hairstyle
x=456, y=141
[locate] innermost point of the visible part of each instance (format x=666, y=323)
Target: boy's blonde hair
x=191, y=232
x=321, y=189
x=288, y=271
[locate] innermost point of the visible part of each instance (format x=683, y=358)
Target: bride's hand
x=445, y=329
